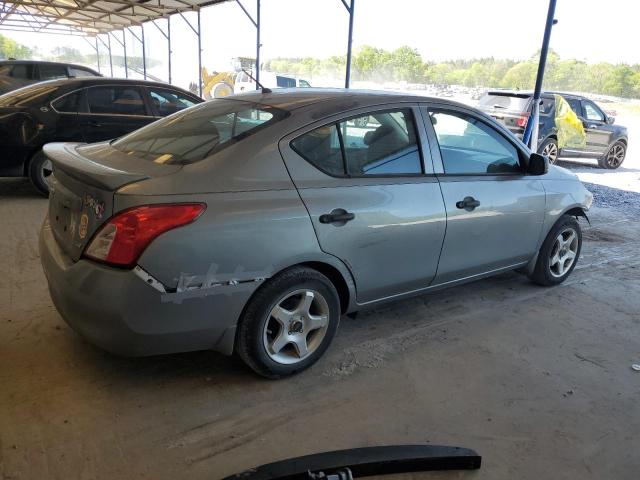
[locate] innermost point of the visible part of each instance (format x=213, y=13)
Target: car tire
x=559, y=253
x=39, y=170
x=614, y=156
x=550, y=146
x=269, y=339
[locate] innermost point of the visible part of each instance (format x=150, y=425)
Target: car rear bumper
x=116, y=310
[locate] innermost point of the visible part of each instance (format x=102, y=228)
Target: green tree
x=11, y=49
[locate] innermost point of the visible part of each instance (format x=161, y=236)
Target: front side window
x=574, y=103
x=51, y=72
x=591, y=112
x=194, y=134
x=168, y=102
x=115, y=100
x=304, y=84
x=69, y=103
x=380, y=143
x=470, y=146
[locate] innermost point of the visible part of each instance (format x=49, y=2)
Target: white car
x=244, y=83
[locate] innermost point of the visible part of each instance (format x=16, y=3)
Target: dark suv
x=20, y=73
x=605, y=141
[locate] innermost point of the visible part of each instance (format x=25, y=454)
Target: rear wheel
x=614, y=157
x=549, y=148
x=40, y=169
x=559, y=253
x=289, y=323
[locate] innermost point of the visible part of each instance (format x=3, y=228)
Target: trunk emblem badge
x=84, y=222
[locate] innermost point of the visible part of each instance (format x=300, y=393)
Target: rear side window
x=546, y=105
x=285, y=82
x=116, y=100
x=80, y=72
x=69, y=103
x=167, y=102
x=23, y=71
x=380, y=143
x=51, y=72
x=469, y=146
x=198, y=132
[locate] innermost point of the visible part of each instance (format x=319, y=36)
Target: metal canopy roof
x=88, y=17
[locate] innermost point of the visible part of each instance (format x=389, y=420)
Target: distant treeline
x=406, y=64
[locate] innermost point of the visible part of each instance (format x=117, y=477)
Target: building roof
x=89, y=17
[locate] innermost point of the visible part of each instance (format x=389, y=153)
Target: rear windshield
x=504, y=102
x=198, y=132
x=28, y=96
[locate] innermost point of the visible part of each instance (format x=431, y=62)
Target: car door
x=113, y=111
x=495, y=211
x=597, y=130
x=373, y=202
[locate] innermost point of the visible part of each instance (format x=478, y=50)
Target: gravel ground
x=607, y=197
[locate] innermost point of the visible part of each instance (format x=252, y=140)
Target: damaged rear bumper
x=118, y=311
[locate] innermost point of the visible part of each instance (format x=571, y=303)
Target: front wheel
x=559, y=253
x=289, y=323
x=40, y=168
x=614, y=157
x=549, y=149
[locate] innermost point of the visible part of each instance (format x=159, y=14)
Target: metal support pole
x=124, y=47
x=530, y=136
x=257, y=75
x=199, y=57
x=169, y=44
x=97, y=54
x=110, y=57
x=144, y=55
x=350, y=9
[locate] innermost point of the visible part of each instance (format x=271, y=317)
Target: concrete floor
x=537, y=380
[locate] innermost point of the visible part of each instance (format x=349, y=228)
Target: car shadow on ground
x=592, y=166
x=18, y=188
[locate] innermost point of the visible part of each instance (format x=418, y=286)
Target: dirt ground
x=537, y=380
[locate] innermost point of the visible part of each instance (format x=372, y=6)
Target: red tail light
x=522, y=120
x=124, y=237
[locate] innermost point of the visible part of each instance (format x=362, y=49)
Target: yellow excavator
x=220, y=84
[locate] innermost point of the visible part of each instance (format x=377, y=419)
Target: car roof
x=529, y=93
x=79, y=82
x=290, y=99
x=44, y=62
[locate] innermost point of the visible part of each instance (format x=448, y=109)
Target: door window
x=469, y=146
x=168, y=102
x=80, y=72
x=591, y=112
x=51, y=72
x=115, y=101
x=69, y=103
x=380, y=143
x=574, y=103
x=285, y=82
x=23, y=71
x=304, y=84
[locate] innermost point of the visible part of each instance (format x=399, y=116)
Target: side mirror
x=610, y=119
x=538, y=164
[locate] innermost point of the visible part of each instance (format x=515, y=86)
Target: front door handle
x=338, y=216
x=468, y=204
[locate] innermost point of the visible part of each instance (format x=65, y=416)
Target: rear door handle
x=468, y=204
x=338, y=215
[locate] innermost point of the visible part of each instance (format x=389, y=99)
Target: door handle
x=468, y=204
x=93, y=123
x=338, y=215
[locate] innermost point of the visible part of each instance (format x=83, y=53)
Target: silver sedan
x=250, y=224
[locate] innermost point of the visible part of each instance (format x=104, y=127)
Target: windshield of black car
x=198, y=132
x=505, y=102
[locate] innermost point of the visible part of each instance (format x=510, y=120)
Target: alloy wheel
x=296, y=326
x=563, y=253
x=615, y=156
x=551, y=151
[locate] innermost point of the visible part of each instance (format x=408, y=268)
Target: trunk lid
x=82, y=187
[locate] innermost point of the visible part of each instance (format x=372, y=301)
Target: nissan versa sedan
x=250, y=224
x=82, y=109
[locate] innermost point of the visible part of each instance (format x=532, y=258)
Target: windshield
x=504, y=102
x=197, y=132
x=28, y=96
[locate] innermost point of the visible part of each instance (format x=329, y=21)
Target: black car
x=604, y=140
x=20, y=73
x=77, y=110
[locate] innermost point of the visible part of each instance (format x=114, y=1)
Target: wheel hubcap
x=296, y=326
x=615, y=155
x=563, y=253
x=551, y=150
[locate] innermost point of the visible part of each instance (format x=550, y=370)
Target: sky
x=590, y=30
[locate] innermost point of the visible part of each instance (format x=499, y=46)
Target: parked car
x=604, y=140
x=244, y=83
x=252, y=223
x=76, y=110
x=20, y=73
